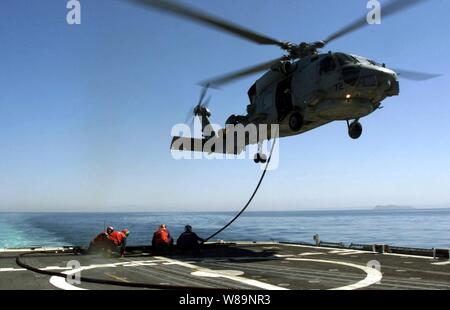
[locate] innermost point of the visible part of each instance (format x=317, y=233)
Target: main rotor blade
x=205, y=18
x=189, y=116
x=227, y=78
x=387, y=10
x=207, y=102
x=415, y=75
x=203, y=94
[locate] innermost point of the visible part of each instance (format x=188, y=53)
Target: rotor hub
x=202, y=111
x=304, y=49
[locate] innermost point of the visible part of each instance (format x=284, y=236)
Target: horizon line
x=234, y=211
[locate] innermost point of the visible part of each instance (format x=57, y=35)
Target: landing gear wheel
x=260, y=158
x=355, y=130
x=295, y=121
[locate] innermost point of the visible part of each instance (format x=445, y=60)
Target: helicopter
x=300, y=91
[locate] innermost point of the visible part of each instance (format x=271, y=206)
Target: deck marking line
x=355, y=252
x=22, y=269
x=205, y=272
x=116, y=277
x=368, y=252
x=61, y=283
x=442, y=263
x=346, y=252
x=373, y=276
x=11, y=269
x=310, y=253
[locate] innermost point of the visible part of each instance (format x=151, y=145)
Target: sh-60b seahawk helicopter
x=301, y=90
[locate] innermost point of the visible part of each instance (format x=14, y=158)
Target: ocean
x=412, y=228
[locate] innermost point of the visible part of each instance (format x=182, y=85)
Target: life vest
x=101, y=237
x=161, y=237
x=117, y=237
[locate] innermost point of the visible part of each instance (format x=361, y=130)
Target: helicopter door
x=284, y=99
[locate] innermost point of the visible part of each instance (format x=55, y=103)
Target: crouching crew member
x=119, y=239
x=101, y=243
x=189, y=240
x=162, y=241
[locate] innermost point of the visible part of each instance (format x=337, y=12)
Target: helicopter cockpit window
x=345, y=59
x=327, y=65
x=368, y=61
x=373, y=62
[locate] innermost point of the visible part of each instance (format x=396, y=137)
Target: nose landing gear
x=355, y=129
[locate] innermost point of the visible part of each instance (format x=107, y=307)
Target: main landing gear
x=259, y=156
x=355, y=129
x=295, y=121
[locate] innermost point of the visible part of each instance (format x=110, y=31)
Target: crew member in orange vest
x=162, y=239
x=101, y=242
x=119, y=238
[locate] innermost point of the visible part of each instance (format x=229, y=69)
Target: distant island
x=393, y=207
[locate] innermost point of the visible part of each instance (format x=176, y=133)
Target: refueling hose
x=251, y=197
x=147, y=285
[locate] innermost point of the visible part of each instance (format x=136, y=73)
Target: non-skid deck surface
x=240, y=266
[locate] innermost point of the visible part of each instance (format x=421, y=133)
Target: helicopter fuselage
x=320, y=89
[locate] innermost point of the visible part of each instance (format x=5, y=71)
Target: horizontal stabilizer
x=212, y=145
x=187, y=144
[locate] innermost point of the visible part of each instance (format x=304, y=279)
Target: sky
x=86, y=111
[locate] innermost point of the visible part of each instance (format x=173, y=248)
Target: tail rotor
x=201, y=108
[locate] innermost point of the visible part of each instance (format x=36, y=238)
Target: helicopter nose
x=389, y=81
x=381, y=79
